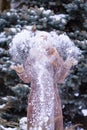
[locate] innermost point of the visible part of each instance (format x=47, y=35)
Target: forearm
x=64, y=70
x=62, y=74
x=23, y=76
x=21, y=72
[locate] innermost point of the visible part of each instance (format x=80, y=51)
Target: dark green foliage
x=77, y=11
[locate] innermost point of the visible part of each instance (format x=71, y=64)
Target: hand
x=71, y=62
x=51, y=51
x=53, y=55
x=18, y=68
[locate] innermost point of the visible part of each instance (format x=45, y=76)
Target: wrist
x=19, y=72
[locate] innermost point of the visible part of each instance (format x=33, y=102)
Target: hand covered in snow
x=18, y=68
x=71, y=62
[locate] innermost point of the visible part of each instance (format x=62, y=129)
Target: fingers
x=20, y=65
x=18, y=68
x=51, y=51
x=75, y=62
x=71, y=62
x=13, y=67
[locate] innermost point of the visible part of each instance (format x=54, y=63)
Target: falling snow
x=30, y=49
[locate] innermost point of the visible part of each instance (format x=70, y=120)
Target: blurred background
x=68, y=16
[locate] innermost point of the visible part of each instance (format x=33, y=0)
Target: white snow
x=31, y=43
x=36, y=128
x=2, y=35
x=34, y=45
x=41, y=8
x=4, y=98
x=76, y=94
x=2, y=106
x=8, y=13
x=4, y=128
x=23, y=123
x=3, y=39
x=65, y=46
x=84, y=111
x=57, y=17
x=47, y=12
x=13, y=30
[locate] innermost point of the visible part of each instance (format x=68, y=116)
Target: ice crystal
x=28, y=43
